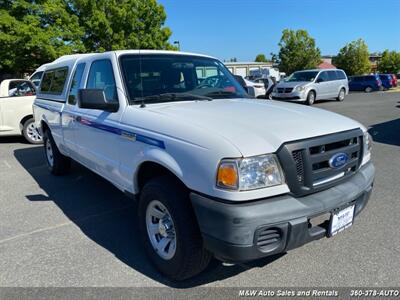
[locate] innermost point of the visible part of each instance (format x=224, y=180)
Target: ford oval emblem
x=338, y=160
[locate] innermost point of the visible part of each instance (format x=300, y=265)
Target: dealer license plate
x=341, y=220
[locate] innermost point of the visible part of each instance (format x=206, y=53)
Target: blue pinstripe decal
x=48, y=108
x=115, y=130
x=129, y=134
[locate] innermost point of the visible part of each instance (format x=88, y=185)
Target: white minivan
x=310, y=85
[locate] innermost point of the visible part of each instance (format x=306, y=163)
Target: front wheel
x=169, y=229
x=341, y=95
x=30, y=132
x=310, y=98
x=368, y=89
x=57, y=163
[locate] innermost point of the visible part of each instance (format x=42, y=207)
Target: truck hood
x=254, y=126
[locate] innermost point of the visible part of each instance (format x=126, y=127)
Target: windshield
x=303, y=76
x=170, y=77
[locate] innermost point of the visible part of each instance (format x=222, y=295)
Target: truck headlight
x=300, y=88
x=250, y=173
x=367, y=143
x=367, y=148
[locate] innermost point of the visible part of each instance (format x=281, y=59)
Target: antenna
x=142, y=105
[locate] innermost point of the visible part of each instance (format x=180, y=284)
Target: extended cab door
x=97, y=131
x=70, y=110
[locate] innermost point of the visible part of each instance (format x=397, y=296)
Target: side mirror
x=319, y=80
x=96, y=99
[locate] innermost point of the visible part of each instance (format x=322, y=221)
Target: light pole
x=179, y=45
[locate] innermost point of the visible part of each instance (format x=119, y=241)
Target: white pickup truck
x=214, y=172
x=16, y=115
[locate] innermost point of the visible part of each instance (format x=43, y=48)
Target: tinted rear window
x=332, y=75
x=340, y=75
x=53, y=81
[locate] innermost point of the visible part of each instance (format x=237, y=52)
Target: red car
x=394, y=80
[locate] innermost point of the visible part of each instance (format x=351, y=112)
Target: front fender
x=160, y=157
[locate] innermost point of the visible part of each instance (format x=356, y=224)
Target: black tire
x=30, y=134
x=368, y=89
x=342, y=94
x=190, y=257
x=310, y=98
x=60, y=164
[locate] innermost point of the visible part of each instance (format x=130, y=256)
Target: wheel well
x=24, y=119
x=44, y=126
x=149, y=170
x=315, y=93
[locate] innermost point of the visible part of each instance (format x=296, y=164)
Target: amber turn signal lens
x=227, y=175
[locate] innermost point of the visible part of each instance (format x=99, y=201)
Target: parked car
x=214, y=172
x=259, y=88
x=366, y=83
x=387, y=81
x=310, y=85
x=269, y=84
x=36, y=77
x=16, y=115
x=394, y=80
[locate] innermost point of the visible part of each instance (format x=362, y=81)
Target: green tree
x=297, y=51
x=261, y=58
x=122, y=24
x=353, y=58
x=390, y=62
x=36, y=32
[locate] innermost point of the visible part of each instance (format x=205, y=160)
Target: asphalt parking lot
x=79, y=230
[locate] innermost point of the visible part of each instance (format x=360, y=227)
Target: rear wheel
x=368, y=89
x=30, y=133
x=341, y=95
x=57, y=163
x=310, y=98
x=169, y=229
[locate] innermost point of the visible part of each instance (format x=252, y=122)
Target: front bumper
x=232, y=231
x=293, y=96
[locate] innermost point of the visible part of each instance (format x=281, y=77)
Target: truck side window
x=76, y=83
x=20, y=88
x=53, y=81
x=101, y=76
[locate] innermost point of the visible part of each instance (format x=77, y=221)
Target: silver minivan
x=310, y=85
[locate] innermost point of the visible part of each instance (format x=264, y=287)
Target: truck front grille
x=284, y=90
x=307, y=162
x=298, y=160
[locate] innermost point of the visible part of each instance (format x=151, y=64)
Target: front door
x=322, y=85
x=97, y=132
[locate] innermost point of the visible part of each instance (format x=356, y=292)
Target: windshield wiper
x=165, y=97
x=223, y=94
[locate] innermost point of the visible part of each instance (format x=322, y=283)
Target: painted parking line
x=7, y=164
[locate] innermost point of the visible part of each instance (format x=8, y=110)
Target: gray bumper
x=232, y=230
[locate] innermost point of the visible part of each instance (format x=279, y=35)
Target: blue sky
x=244, y=28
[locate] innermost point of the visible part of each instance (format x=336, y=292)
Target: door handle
x=78, y=118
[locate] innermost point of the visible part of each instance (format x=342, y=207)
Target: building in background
x=253, y=69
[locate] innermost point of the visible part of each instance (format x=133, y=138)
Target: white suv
x=214, y=172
